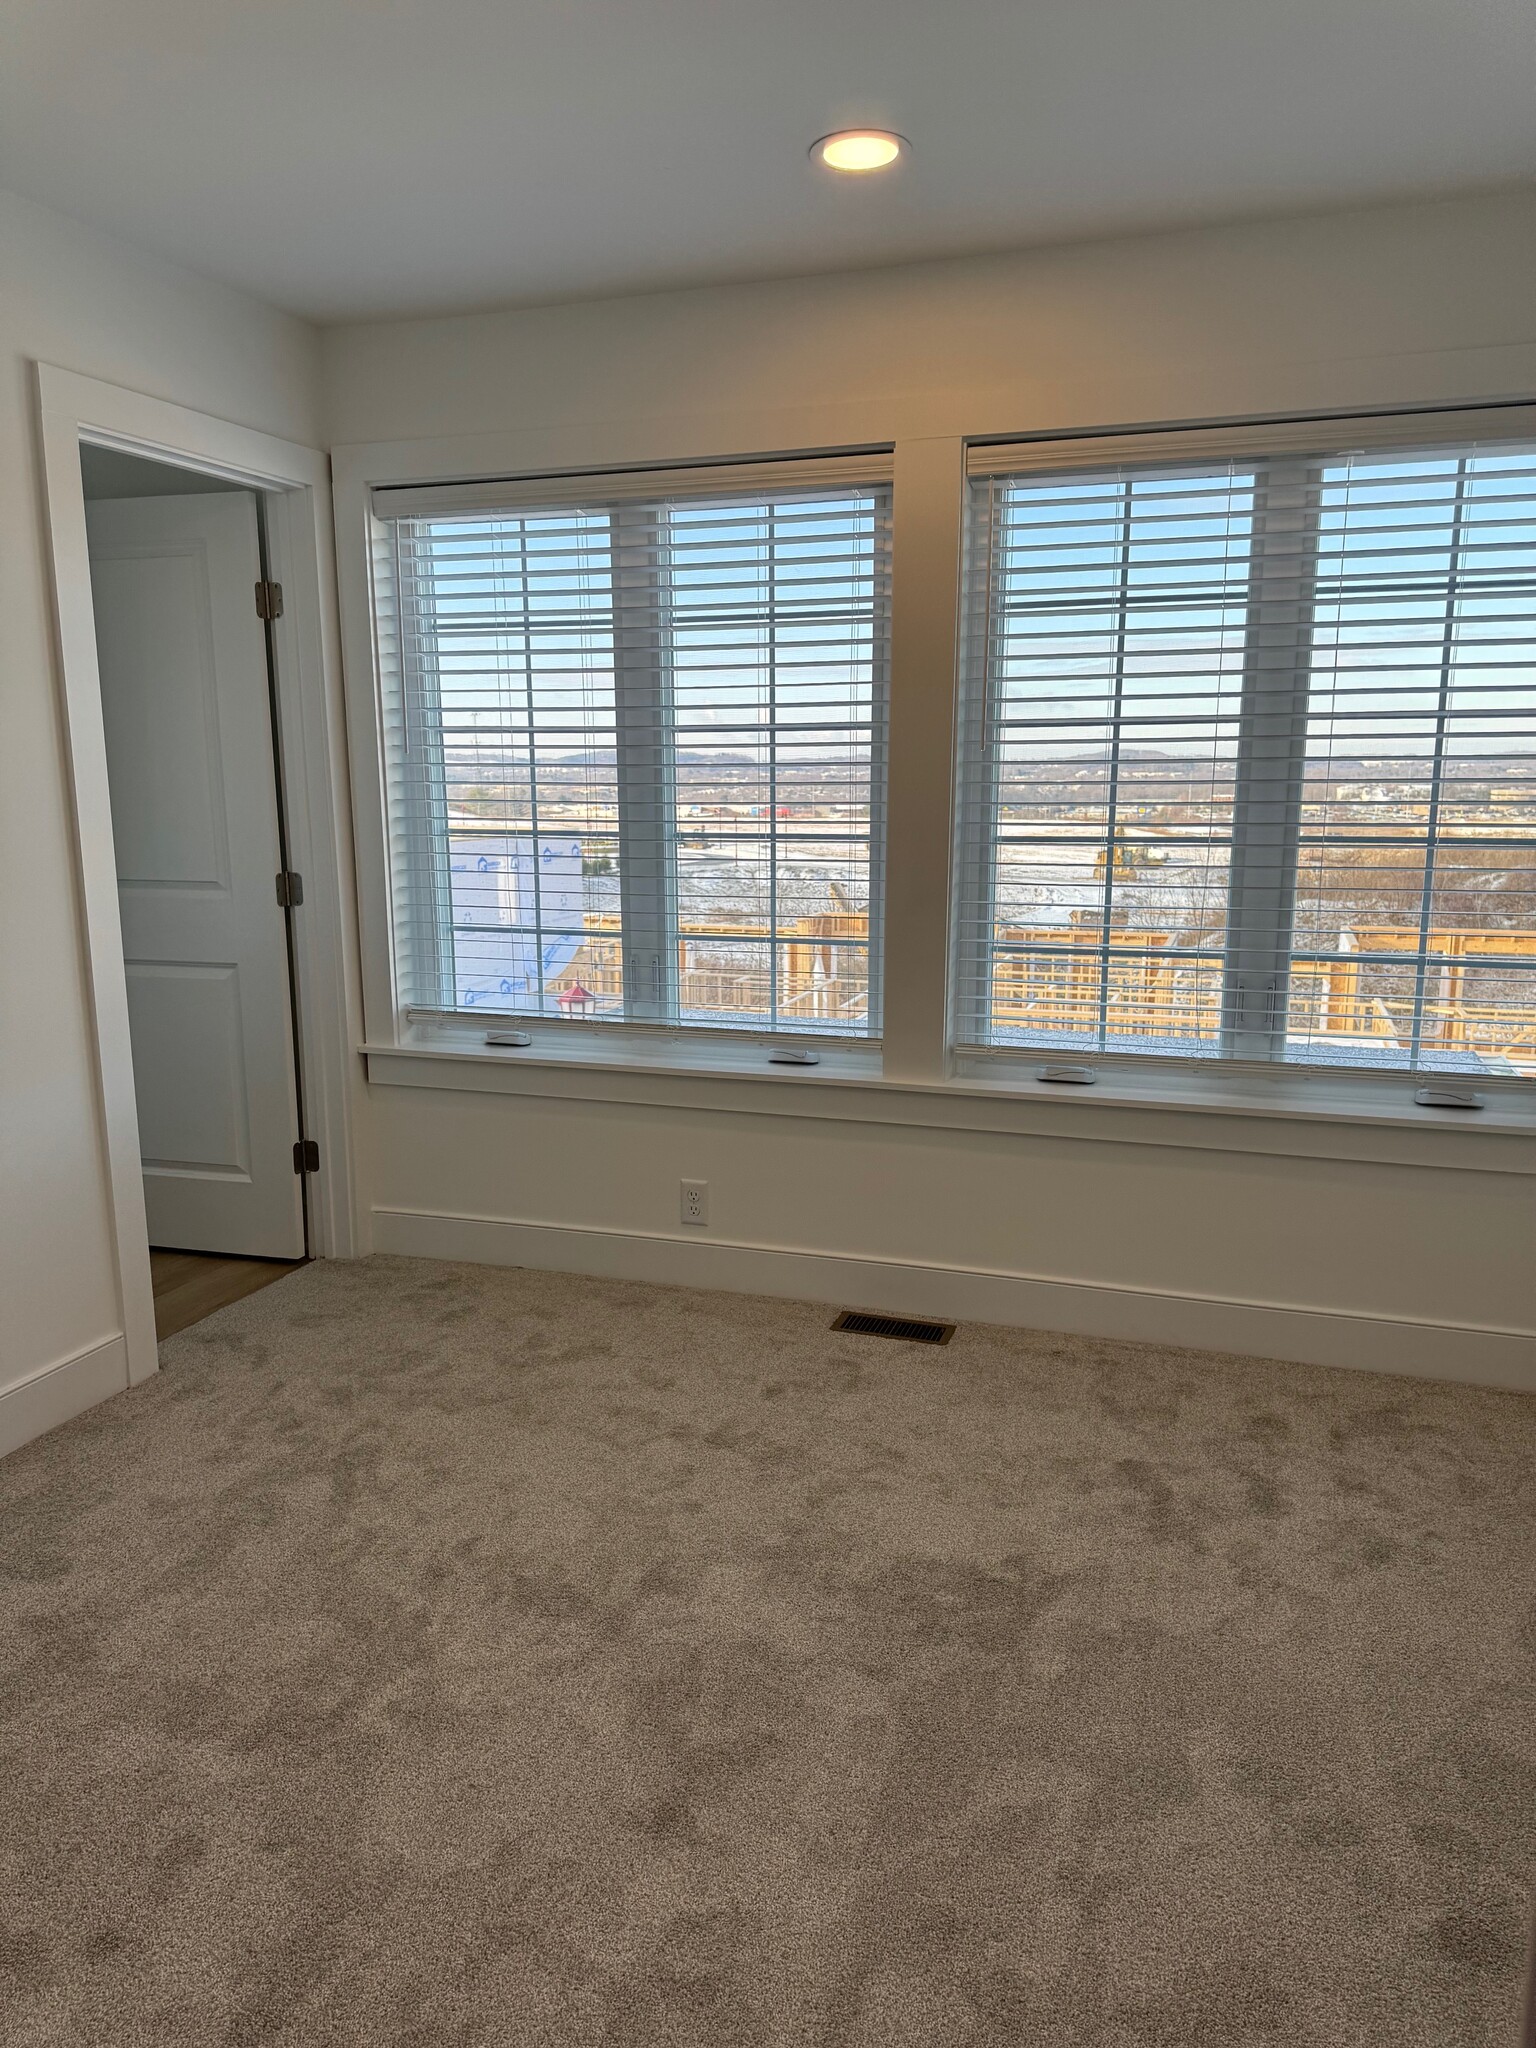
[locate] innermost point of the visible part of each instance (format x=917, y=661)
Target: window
x=636, y=737
x=1249, y=759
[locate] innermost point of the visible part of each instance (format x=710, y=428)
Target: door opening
x=184, y=608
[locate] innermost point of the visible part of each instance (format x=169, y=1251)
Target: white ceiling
x=359, y=157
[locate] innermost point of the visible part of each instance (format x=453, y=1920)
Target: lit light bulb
x=858, y=149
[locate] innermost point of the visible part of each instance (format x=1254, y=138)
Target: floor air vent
x=861, y=1322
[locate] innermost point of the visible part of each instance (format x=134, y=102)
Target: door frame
x=295, y=485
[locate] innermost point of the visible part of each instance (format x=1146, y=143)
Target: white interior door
x=194, y=814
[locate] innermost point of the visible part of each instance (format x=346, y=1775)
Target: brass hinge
x=269, y=600
x=290, y=890
x=306, y=1156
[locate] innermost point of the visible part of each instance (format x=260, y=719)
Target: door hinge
x=269, y=600
x=306, y=1156
x=290, y=890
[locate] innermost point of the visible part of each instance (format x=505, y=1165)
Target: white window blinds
x=636, y=746
x=1249, y=759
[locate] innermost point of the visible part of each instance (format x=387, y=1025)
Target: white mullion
x=1271, y=760
x=1437, y=771
x=879, y=751
x=981, y=699
x=530, y=711
x=643, y=727
x=773, y=769
x=427, y=859
x=1116, y=737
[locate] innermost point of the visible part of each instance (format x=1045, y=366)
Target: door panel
x=194, y=816
x=193, y=1118
x=161, y=715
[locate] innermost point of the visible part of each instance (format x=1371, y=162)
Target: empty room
x=768, y=1027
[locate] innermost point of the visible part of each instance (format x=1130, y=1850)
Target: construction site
x=1133, y=966
x=1078, y=983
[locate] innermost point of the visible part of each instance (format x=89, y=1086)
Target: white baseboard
x=60, y=1392
x=1441, y=1351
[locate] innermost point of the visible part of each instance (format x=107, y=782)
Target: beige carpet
x=441, y=1655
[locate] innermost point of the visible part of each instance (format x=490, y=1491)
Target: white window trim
x=1182, y=1105
x=1261, y=965
x=1347, y=1123
x=406, y=691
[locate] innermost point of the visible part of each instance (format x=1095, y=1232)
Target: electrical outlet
x=695, y=1201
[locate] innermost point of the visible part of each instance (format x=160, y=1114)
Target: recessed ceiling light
x=859, y=149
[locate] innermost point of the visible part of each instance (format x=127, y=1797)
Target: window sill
x=1307, y=1115
x=1310, y=1093
x=643, y=1048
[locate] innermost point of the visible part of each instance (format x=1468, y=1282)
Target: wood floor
x=191, y=1285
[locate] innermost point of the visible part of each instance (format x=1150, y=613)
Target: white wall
x=72, y=297
x=1380, y=307
x=1373, y=308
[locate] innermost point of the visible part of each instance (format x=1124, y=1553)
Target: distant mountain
x=471, y=760
x=1150, y=765
x=683, y=760
x=1126, y=754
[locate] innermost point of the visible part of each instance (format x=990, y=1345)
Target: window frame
x=916, y=1070
x=646, y=824
x=1257, y=959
